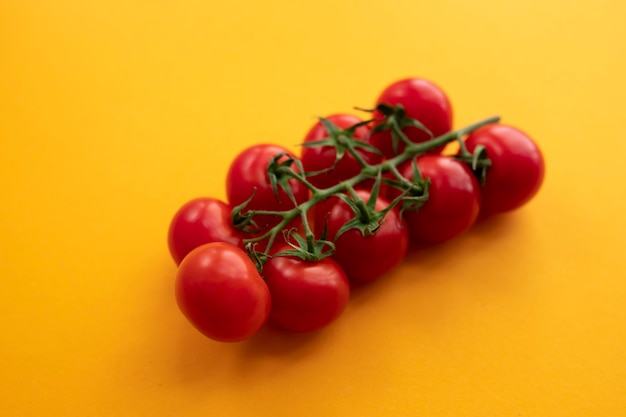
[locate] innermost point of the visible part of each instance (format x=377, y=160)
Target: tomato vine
x=280, y=170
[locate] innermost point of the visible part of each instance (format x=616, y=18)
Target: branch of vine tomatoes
x=414, y=194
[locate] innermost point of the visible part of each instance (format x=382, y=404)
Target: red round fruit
x=248, y=174
x=517, y=167
x=306, y=295
x=422, y=100
x=219, y=290
x=453, y=199
x=199, y=221
x=320, y=158
x=363, y=258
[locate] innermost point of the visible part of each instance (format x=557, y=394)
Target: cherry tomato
x=453, y=199
x=306, y=295
x=517, y=167
x=199, y=221
x=248, y=172
x=323, y=157
x=422, y=100
x=219, y=290
x=363, y=258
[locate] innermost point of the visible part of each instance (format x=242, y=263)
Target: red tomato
x=363, y=258
x=422, y=100
x=323, y=157
x=453, y=199
x=517, y=167
x=248, y=172
x=200, y=221
x=219, y=290
x=306, y=296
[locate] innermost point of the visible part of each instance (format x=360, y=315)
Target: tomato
x=219, y=290
x=517, y=167
x=453, y=199
x=248, y=174
x=323, y=157
x=422, y=100
x=363, y=258
x=199, y=221
x=306, y=295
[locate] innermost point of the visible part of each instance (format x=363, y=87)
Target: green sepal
x=375, y=191
x=403, y=120
x=360, y=144
x=366, y=229
x=396, y=119
x=342, y=140
x=415, y=198
x=366, y=219
x=307, y=249
x=244, y=221
x=278, y=178
x=480, y=163
x=258, y=258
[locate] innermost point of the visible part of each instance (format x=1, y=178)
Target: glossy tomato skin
x=201, y=220
x=517, y=167
x=219, y=290
x=453, y=199
x=323, y=157
x=306, y=295
x=363, y=258
x=248, y=172
x=422, y=100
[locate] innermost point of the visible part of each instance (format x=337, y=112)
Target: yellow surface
x=114, y=113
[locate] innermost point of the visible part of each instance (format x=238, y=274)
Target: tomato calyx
x=308, y=248
x=305, y=248
x=343, y=140
x=478, y=160
x=395, y=119
x=244, y=221
x=367, y=219
x=414, y=193
x=279, y=173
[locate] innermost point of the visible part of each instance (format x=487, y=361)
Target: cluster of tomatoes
x=297, y=232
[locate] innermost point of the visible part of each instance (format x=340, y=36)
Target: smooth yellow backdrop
x=114, y=113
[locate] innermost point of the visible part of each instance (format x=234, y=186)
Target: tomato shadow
x=207, y=362
x=424, y=262
x=274, y=353
x=484, y=234
x=493, y=227
x=272, y=341
x=361, y=293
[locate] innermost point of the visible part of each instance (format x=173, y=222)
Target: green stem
x=363, y=211
x=300, y=178
x=462, y=147
x=308, y=233
x=418, y=148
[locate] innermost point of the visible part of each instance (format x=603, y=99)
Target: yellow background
x=115, y=113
